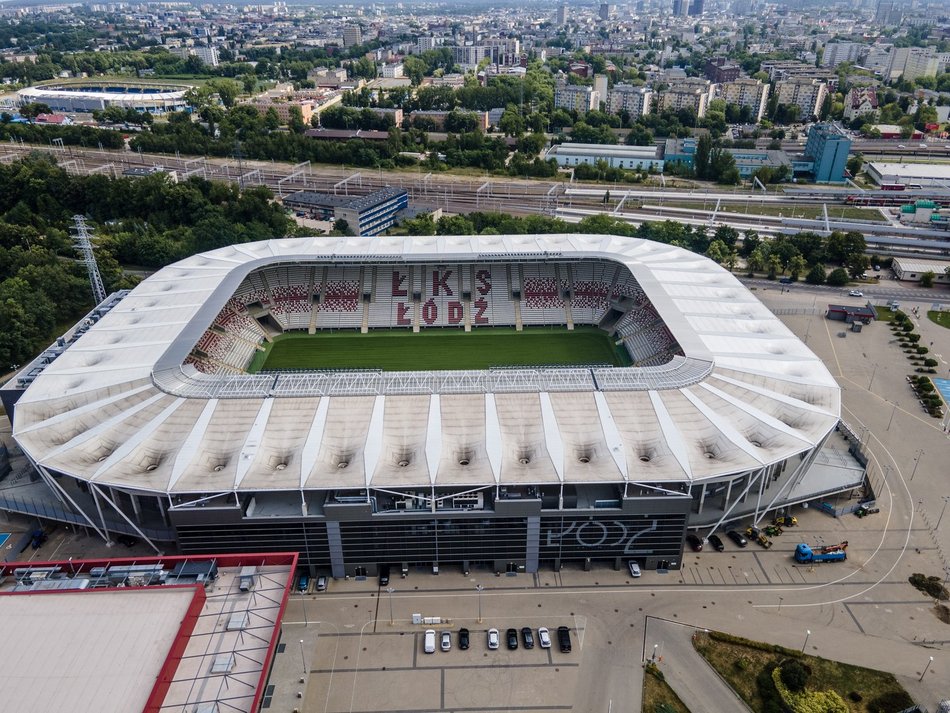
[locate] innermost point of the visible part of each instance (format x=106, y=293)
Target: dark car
x=737, y=538
x=127, y=540
x=564, y=639
x=384, y=575
x=716, y=543
x=695, y=543
x=463, y=639
x=527, y=637
x=511, y=637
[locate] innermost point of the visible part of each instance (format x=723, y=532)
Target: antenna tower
x=82, y=241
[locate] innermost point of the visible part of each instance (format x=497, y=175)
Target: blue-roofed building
x=748, y=161
x=828, y=147
x=366, y=215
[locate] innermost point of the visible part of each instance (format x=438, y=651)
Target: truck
x=829, y=553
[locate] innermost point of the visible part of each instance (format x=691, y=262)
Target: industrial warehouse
x=157, y=419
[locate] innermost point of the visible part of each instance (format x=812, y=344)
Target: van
x=429, y=642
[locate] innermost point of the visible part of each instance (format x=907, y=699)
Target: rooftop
x=911, y=170
x=329, y=200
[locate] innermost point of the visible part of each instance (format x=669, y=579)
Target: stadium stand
x=300, y=297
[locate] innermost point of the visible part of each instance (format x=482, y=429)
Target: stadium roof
x=118, y=407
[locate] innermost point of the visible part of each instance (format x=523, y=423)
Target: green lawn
x=440, y=349
x=745, y=665
x=941, y=318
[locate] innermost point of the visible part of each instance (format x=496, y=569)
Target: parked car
x=695, y=543
x=716, y=543
x=463, y=639
x=303, y=583
x=493, y=638
x=511, y=637
x=855, y=293
x=127, y=540
x=634, y=569
x=564, y=639
x=322, y=582
x=384, y=575
x=544, y=637
x=446, y=641
x=737, y=538
x=428, y=641
x=527, y=637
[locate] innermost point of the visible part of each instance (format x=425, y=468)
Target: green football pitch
x=439, y=349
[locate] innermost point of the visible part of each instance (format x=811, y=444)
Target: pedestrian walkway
x=695, y=682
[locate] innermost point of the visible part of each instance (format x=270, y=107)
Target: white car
x=446, y=641
x=634, y=569
x=544, y=638
x=493, y=638
x=855, y=293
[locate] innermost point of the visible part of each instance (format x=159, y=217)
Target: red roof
x=50, y=118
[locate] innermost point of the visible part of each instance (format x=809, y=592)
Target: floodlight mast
x=82, y=241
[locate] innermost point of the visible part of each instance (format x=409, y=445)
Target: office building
x=719, y=70
x=633, y=158
x=748, y=161
x=828, y=147
x=366, y=215
x=696, y=8
x=636, y=101
x=561, y=18
x=604, y=12
x=745, y=92
x=393, y=71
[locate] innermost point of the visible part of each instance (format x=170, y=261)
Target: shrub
x=914, y=337
x=890, y=702
x=907, y=327
x=925, y=386
x=923, y=350
x=855, y=696
x=932, y=586
x=794, y=676
x=930, y=362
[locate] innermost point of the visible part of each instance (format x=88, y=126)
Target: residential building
x=282, y=108
x=578, y=97
x=430, y=42
x=600, y=89
x=469, y=56
x=393, y=71
x=352, y=36
x=561, y=18
x=878, y=58
x=680, y=8
x=438, y=117
x=828, y=147
x=837, y=52
x=691, y=93
x=634, y=158
x=745, y=92
x=208, y=55
x=719, y=70
x=748, y=161
x=912, y=62
x=636, y=101
x=808, y=94
x=366, y=215
x=604, y=12
x=503, y=50
x=324, y=77
x=860, y=102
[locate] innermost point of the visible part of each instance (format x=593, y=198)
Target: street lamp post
x=946, y=499
x=303, y=661
x=926, y=668
x=653, y=658
x=390, y=590
x=872, y=377
x=780, y=605
x=920, y=454
x=807, y=634
x=479, y=588
x=892, y=418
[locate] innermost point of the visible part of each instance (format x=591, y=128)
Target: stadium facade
x=149, y=422
x=153, y=99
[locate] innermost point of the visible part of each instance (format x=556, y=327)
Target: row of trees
x=147, y=222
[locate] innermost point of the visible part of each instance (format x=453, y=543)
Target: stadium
x=501, y=401
x=88, y=97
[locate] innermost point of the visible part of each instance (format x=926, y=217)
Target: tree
x=838, y=277
x=295, y=120
x=774, y=265
x=34, y=109
x=511, y=122
x=750, y=241
x=796, y=266
x=927, y=279
x=717, y=251
x=857, y=264
x=702, y=158
x=855, y=163
x=816, y=276
x=342, y=227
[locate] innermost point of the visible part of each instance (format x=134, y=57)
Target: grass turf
x=941, y=318
x=439, y=349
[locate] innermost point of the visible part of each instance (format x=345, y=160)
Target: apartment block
x=808, y=94
x=636, y=101
x=745, y=92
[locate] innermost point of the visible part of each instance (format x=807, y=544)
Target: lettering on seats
x=398, y=289
x=430, y=312
x=402, y=314
x=484, y=282
x=440, y=281
x=480, y=306
x=456, y=313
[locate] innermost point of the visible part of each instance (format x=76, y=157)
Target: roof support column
x=95, y=499
x=61, y=494
x=532, y=544
x=96, y=489
x=335, y=543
